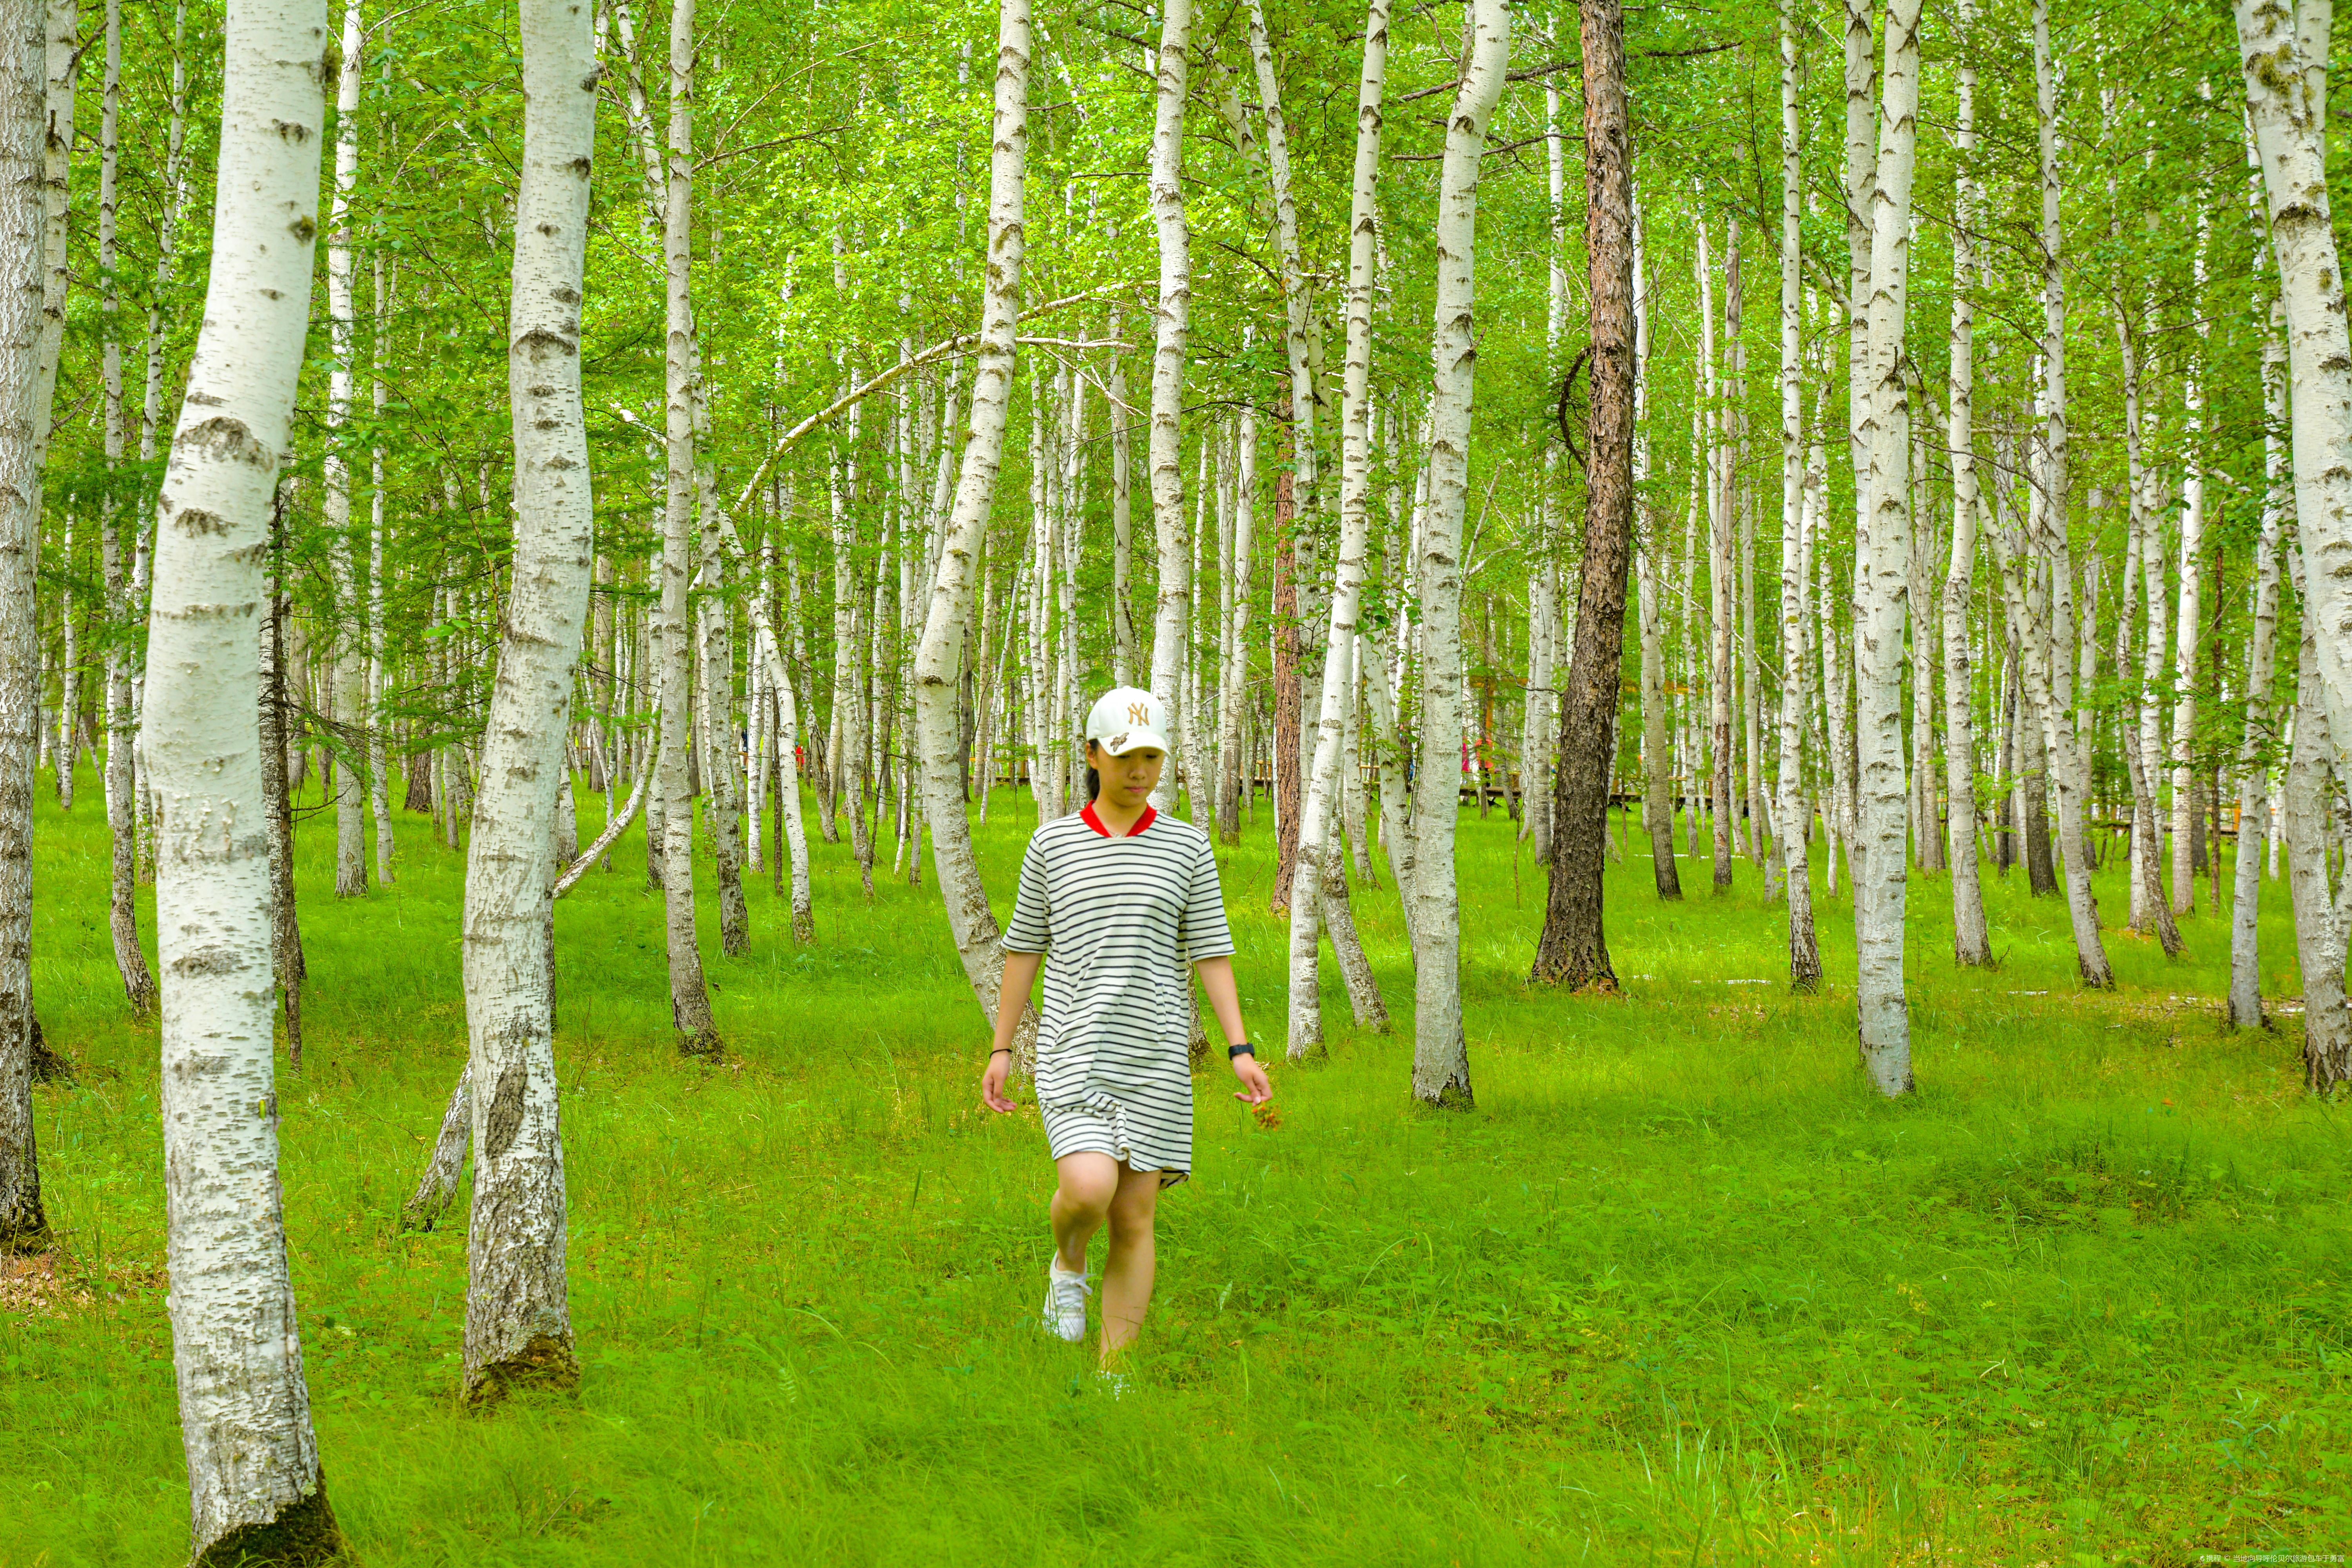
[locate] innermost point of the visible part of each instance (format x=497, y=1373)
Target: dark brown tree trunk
x=1288, y=701
x=286, y=928
x=1574, y=951
x=419, y=798
x=2041, y=876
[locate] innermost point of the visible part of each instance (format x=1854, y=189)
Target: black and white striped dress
x=1121, y=920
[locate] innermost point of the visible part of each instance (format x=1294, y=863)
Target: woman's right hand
x=992, y=1082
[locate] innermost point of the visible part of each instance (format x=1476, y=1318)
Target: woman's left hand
x=1254, y=1089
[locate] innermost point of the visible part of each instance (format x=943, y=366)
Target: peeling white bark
x=517, y=1311
x=2284, y=53
x=253, y=1463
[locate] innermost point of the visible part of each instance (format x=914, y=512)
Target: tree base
x=701, y=1044
x=303, y=1533
x=48, y=1066
x=29, y=1242
x=1452, y=1097
x=546, y=1364
x=1576, y=972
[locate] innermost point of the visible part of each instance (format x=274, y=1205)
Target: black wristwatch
x=1244, y=1049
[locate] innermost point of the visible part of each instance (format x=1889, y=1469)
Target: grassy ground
x=1681, y=1290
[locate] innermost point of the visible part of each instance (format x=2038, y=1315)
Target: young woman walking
x=1123, y=898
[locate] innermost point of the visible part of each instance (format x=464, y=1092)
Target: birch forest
x=554, y=552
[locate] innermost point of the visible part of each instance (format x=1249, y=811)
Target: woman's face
x=1128, y=779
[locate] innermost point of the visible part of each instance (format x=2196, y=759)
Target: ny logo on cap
x=1138, y=712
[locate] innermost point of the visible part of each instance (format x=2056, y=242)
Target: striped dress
x=1120, y=921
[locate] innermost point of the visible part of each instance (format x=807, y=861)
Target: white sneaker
x=1066, y=1305
x=1115, y=1384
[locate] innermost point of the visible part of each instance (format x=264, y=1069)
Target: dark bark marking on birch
x=504, y=1123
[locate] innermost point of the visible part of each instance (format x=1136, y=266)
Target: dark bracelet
x=1002, y=1050
x=1244, y=1049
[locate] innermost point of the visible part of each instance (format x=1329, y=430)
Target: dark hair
x=1094, y=778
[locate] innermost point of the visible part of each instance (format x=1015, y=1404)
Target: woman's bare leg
x=1127, y=1272
x=1089, y=1186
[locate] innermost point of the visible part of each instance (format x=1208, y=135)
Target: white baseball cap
x=1127, y=719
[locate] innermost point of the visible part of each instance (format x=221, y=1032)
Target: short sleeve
x=1031, y=906
x=1205, y=933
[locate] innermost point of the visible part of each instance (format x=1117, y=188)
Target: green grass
x=1681, y=1290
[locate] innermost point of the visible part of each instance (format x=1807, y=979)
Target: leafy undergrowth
x=1679, y=1289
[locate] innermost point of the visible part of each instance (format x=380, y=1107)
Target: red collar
x=1150, y=813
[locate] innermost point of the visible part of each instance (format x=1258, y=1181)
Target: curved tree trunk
x=939, y=658
x=1441, y=1061
x=517, y=1311
x=253, y=1463
x=1316, y=838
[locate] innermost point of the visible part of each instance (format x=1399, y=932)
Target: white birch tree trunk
x=1233, y=639
x=1796, y=817
x=130, y=959
x=1878, y=855
x=2286, y=57
x=939, y=660
x=378, y=773
x=350, y=668
x=2186, y=625
x=2071, y=771
x=244, y=1416
x=68, y=740
x=690, y=1014
x=61, y=46
x=2319, y=922
x=1441, y=1067
x=1719, y=573
x=1122, y=504
x=1540, y=720
x=2246, y=1008
x=1971, y=942
x=24, y=1223
x=1172, y=616
x=1315, y=835
x=722, y=761
x=518, y=1309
